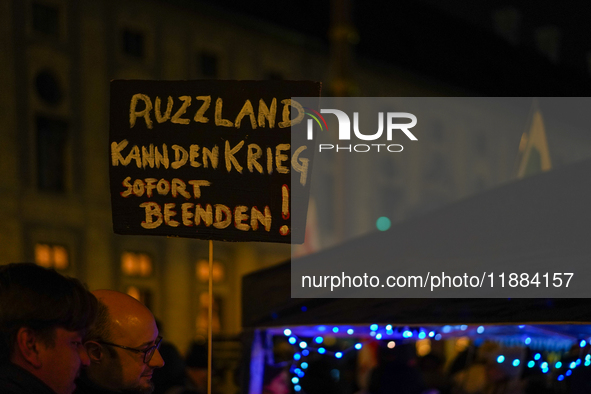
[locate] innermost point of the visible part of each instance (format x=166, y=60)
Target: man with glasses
x=122, y=346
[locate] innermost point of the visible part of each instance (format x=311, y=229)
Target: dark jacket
x=85, y=386
x=16, y=380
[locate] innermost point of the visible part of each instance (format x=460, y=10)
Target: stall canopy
x=546, y=216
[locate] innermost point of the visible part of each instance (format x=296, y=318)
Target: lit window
x=203, y=271
x=136, y=264
x=51, y=256
x=142, y=295
x=202, y=316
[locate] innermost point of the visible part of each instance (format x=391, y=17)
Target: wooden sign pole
x=210, y=320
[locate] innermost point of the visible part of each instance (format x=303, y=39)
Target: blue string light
x=303, y=345
x=304, y=365
x=378, y=336
x=480, y=330
x=500, y=359
x=583, y=343
x=335, y=329
x=297, y=387
x=350, y=331
x=338, y=354
x=572, y=365
x=560, y=378
x=373, y=327
x=531, y=364
x=358, y=346
x=295, y=380
x=527, y=340
x=569, y=372
x=516, y=362
x=389, y=327
x=558, y=365
x=431, y=334
x=544, y=365
x=287, y=332
x=321, y=350
x=537, y=356
x=292, y=340
x=297, y=356
x=318, y=339
x=422, y=335
x=305, y=352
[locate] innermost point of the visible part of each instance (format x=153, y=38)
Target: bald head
x=122, y=344
x=120, y=316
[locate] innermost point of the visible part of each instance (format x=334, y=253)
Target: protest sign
x=207, y=159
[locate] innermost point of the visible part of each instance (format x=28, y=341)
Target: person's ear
x=27, y=344
x=95, y=351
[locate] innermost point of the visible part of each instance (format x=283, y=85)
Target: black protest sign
x=207, y=159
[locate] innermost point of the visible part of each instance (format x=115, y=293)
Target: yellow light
x=423, y=347
x=134, y=292
x=60, y=257
x=43, y=255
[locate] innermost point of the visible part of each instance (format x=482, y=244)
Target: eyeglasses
x=148, y=353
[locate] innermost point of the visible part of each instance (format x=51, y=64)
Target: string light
x=305, y=352
x=287, y=332
x=358, y=346
x=480, y=329
x=373, y=327
x=338, y=354
x=500, y=359
x=304, y=365
x=516, y=362
x=350, y=331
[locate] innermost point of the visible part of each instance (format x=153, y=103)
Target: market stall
x=541, y=217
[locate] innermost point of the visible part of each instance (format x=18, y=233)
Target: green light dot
x=383, y=223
